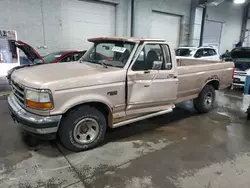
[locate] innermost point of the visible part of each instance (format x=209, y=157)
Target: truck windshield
x=109, y=53
x=184, y=52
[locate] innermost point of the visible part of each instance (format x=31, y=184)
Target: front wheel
x=82, y=128
x=205, y=101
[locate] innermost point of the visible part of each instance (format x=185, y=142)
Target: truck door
x=152, y=81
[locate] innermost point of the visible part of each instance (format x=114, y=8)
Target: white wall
x=26, y=17
x=143, y=15
x=230, y=15
x=39, y=22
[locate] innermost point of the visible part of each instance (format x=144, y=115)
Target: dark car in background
x=34, y=58
x=241, y=58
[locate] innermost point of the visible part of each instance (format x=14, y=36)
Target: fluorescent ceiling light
x=239, y=1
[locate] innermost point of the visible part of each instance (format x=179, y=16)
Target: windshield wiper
x=103, y=64
x=95, y=62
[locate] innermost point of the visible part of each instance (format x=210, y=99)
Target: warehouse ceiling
x=214, y=2
x=211, y=2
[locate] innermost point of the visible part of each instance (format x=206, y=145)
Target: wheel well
x=103, y=108
x=214, y=83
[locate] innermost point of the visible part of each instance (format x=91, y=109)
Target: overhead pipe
x=244, y=24
x=204, y=13
x=132, y=18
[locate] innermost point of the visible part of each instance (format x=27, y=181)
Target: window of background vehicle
x=206, y=52
x=212, y=52
x=199, y=53
x=183, y=52
x=77, y=55
x=150, y=53
x=52, y=57
x=66, y=58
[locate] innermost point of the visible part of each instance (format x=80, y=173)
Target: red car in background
x=35, y=58
x=56, y=57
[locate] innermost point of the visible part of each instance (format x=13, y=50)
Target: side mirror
x=157, y=65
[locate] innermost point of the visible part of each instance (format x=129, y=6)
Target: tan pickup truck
x=117, y=82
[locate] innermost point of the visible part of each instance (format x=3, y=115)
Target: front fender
x=82, y=99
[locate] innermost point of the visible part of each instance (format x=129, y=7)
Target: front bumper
x=36, y=124
x=239, y=84
x=239, y=81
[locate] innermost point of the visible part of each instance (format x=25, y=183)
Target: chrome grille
x=18, y=91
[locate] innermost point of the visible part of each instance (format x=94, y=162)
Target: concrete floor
x=178, y=150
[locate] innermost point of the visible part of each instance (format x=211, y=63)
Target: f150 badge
x=111, y=93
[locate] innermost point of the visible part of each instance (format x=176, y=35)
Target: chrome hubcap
x=208, y=100
x=86, y=131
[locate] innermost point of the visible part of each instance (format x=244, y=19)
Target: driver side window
x=150, y=54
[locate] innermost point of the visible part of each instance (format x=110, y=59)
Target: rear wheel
x=205, y=101
x=82, y=128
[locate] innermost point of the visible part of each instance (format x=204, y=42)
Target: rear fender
x=215, y=82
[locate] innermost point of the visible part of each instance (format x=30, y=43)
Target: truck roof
x=125, y=39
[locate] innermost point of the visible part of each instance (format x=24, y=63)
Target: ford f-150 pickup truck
x=141, y=79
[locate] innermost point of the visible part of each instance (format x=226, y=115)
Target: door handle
x=146, y=71
x=171, y=76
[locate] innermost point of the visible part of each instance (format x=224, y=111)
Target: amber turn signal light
x=38, y=105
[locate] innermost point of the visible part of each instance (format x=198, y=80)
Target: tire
x=248, y=116
x=205, y=101
x=29, y=139
x=82, y=128
x=248, y=113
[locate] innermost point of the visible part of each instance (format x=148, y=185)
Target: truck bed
x=194, y=74
x=190, y=62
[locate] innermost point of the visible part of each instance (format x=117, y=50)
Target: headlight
x=38, y=99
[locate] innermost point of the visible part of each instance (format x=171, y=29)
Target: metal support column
x=244, y=23
x=132, y=17
x=203, y=24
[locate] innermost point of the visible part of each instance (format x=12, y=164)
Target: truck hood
x=66, y=75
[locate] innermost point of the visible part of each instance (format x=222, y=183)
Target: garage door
x=83, y=20
x=212, y=33
x=166, y=26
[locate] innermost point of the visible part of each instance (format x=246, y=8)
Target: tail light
x=233, y=73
